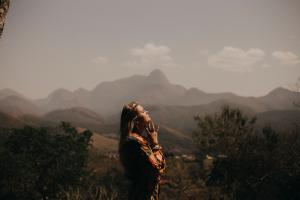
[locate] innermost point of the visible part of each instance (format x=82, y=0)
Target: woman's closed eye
x=145, y=111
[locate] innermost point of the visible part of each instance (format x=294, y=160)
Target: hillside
x=279, y=119
x=9, y=121
x=101, y=143
x=108, y=98
x=172, y=106
x=17, y=105
x=78, y=116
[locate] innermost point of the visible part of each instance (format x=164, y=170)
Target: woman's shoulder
x=135, y=144
x=131, y=141
x=136, y=138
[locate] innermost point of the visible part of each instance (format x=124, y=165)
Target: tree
x=295, y=87
x=221, y=133
x=4, y=6
x=221, y=137
x=40, y=163
x=248, y=163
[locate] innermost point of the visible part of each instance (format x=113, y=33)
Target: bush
x=41, y=163
x=248, y=163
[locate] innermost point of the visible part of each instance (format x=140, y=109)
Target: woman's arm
x=155, y=157
x=146, y=156
x=158, y=157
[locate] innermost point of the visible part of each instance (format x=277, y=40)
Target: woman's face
x=144, y=114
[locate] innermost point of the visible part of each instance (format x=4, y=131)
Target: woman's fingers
x=147, y=129
x=152, y=126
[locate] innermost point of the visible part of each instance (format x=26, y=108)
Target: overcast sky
x=246, y=47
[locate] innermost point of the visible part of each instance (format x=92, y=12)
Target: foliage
x=221, y=134
x=248, y=164
x=4, y=6
x=295, y=87
x=108, y=186
x=40, y=163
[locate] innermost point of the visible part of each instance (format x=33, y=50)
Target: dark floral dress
x=144, y=167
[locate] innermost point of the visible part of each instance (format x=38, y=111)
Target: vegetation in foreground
x=233, y=161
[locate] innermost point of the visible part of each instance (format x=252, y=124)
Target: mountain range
x=155, y=89
x=172, y=106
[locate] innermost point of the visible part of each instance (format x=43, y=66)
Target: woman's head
x=133, y=118
x=142, y=115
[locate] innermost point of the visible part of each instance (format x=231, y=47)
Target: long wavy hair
x=127, y=124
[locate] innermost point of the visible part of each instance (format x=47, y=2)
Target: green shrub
x=40, y=163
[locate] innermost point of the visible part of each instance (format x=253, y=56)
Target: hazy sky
x=246, y=47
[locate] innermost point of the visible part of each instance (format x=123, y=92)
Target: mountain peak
x=280, y=91
x=81, y=90
x=158, y=76
x=61, y=93
x=9, y=92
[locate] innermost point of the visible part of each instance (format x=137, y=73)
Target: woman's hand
x=152, y=131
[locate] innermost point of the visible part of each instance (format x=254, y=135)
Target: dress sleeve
x=152, y=158
x=155, y=157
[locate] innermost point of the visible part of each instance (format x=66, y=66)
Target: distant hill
x=172, y=106
x=18, y=105
x=36, y=121
x=108, y=97
x=174, y=140
x=63, y=99
x=77, y=116
x=281, y=99
x=152, y=89
x=8, y=92
x=102, y=143
x=9, y=121
x=280, y=120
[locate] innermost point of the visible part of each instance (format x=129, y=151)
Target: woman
x=140, y=153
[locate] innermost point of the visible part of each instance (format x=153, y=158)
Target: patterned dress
x=143, y=166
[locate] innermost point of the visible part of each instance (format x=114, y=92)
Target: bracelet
x=156, y=147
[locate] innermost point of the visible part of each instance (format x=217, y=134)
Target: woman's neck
x=139, y=131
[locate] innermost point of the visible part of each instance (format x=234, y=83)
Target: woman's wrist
x=154, y=141
x=156, y=147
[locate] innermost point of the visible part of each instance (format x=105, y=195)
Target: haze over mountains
x=171, y=105
x=154, y=89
